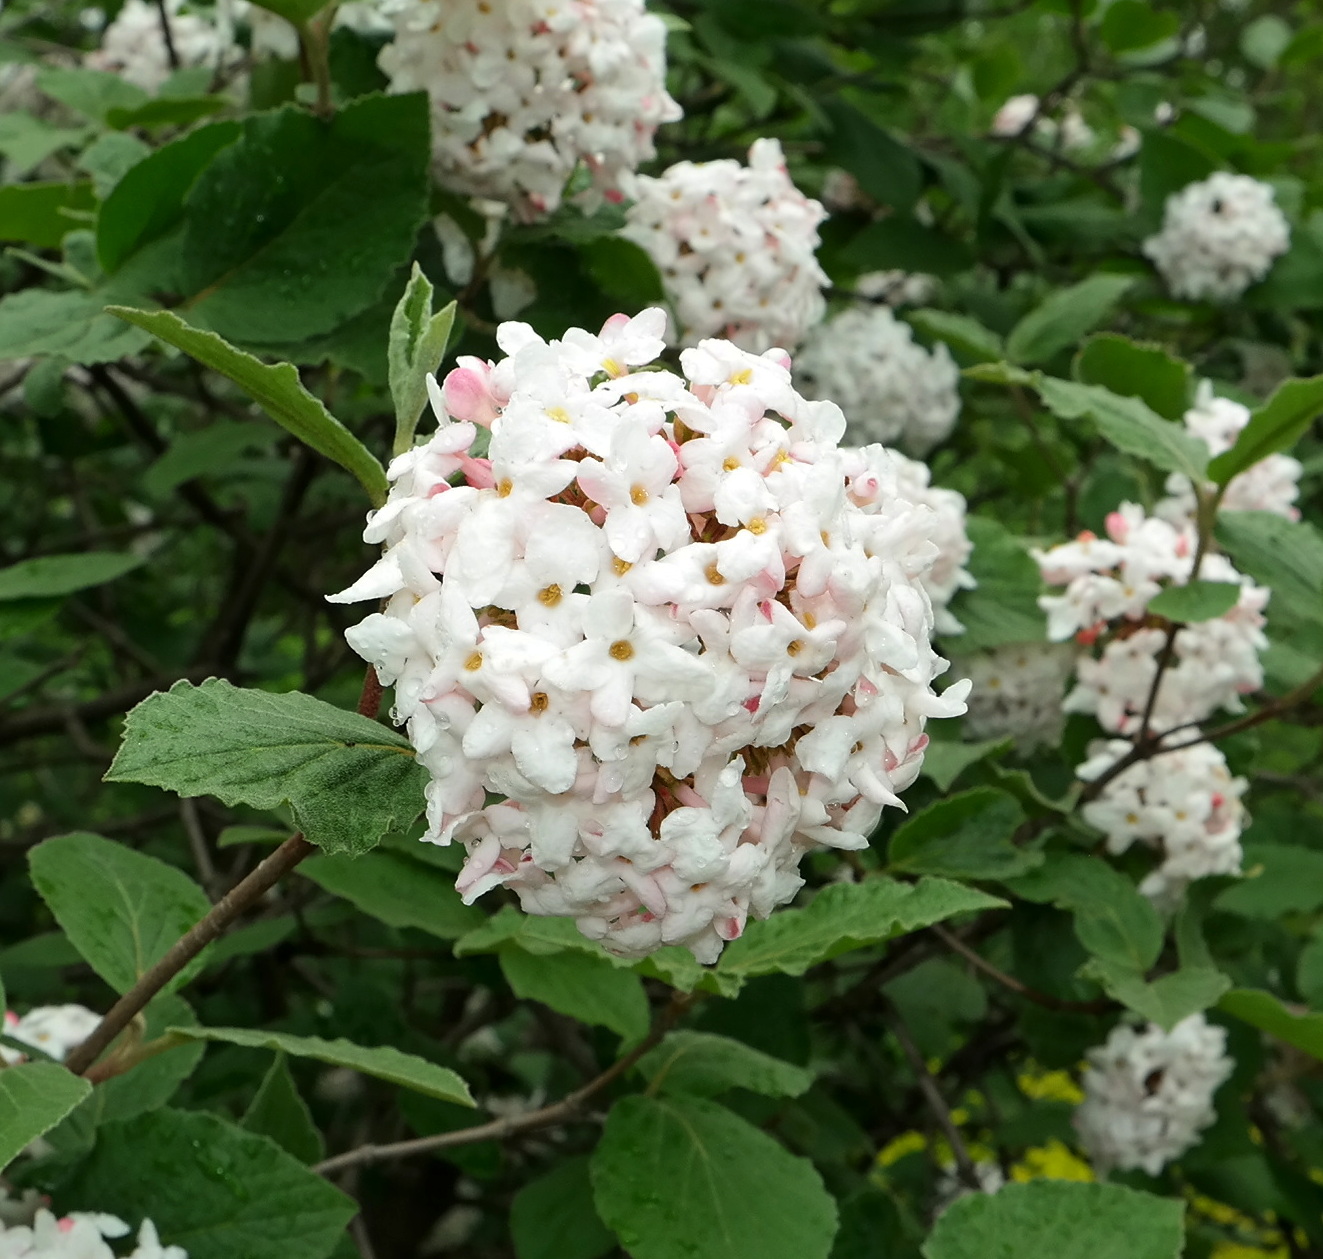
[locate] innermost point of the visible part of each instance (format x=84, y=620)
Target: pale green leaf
x=1165, y=1001
x=348, y=779
x=1301, y=1028
x=1197, y=601
x=589, y=989
x=964, y=836
x=418, y=340
x=1278, y=423
x=553, y=1217
x=383, y=1063
x=1065, y=317
x=277, y=1111
x=276, y=388
x=51, y=576
x=684, y=1178
x=945, y=760
x=34, y=1097
x=72, y=324
x=701, y=1064
x=120, y=908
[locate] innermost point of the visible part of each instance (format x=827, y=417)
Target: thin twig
x=198, y=846
x=933, y=1096
x=564, y=1111
x=1048, y=1002
x=171, y=52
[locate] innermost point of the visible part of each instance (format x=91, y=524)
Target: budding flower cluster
x=735, y=246
x=1148, y=1095
x=523, y=92
x=891, y=389
x=664, y=617
x=38, y=1234
x=1071, y=134
x=1218, y=237
x=1272, y=484
x=53, y=1030
x=1184, y=804
x=1109, y=583
x=1017, y=691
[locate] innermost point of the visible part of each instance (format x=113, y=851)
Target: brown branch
x=217, y=920
x=1048, y=1002
x=564, y=1111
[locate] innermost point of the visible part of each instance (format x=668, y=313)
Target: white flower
x=134, y=46
x=891, y=389
x=52, y=1029
x=1071, y=134
x=665, y=618
x=1184, y=804
x=736, y=248
x=1109, y=584
x=1015, y=115
x=1017, y=690
x=524, y=91
x=1272, y=484
x=1148, y=1095
x=79, y=1235
x=896, y=288
x=1218, y=237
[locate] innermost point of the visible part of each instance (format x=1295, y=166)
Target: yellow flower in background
x=1052, y=1161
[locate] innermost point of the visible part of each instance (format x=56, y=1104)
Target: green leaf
x=701, y=1064
x=276, y=389
x=348, y=779
x=589, y=989
x=34, y=1097
x=212, y=1188
x=1128, y=425
x=39, y=213
x=213, y=450
x=282, y=259
x=1129, y=25
x=110, y=157
x=383, y=1063
x=1003, y=607
x=677, y=1178
x=1264, y=40
x=26, y=142
x=398, y=890
x=1063, y=318
x=169, y=111
x=532, y=933
x=295, y=11
x=1197, y=601
x=623, y=271
x=845, y=916
x=92, y=93
x=1064, y=1219
x=1278, y=423
x=1262, y=1010
x=966, y=336
x=1165, y=1001
x=277, y=1111
x=1112, y=920
x=1279, y=879
x=1137, y=369
x=900, y=241
x=944, y=761
x=886, y=170
x=149, y=201
x=966, y=836
x=1285, y=555
x=553, y=1217
x=72, y=324
x=52, y=576
x=121, y=909
x=416, y=346
x=151, y=1083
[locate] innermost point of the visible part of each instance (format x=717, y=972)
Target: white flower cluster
x=1148, y=1095
x=1272, y=484
x=1218, y=237
x=1017, y=691
x=661, y=619
x=79, y=1235
x=891, y=389
x=736, y=248
x=1184, y=804
x=134, y=46
x=1109, y=583
x=523, y=92
x=896, y=288
x=52, y=1029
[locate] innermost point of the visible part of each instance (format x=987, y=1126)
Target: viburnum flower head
x=736, y=248
x=1218, y=237
x=1272, y=484
x=663, y=618
x=1109, y=583
x=525, y=91
x=80, y=1235
x=1185, y=804
x=1149, y=1094
x=891, y=389
x=134, y=46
